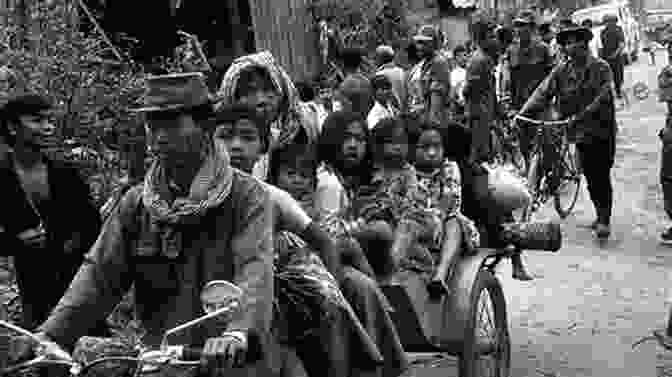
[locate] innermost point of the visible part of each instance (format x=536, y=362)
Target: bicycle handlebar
x=543, y=123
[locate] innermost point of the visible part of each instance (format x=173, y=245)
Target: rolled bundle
x=538, y=235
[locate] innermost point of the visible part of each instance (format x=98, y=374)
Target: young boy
x=665, y=134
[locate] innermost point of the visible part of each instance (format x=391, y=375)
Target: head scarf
x=210, y=187
x=294, y=114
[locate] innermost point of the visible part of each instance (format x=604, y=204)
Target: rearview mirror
x=218, y=294
x=219, y=298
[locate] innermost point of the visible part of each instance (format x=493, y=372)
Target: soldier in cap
x=428, y=82
x=528, y=61
x=582, y=87
x=479, y=88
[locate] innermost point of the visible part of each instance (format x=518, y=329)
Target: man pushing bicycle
x=582, y=87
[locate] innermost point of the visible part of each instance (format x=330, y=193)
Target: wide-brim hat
x=174, y=92
x=582, y=33
x=525, y=18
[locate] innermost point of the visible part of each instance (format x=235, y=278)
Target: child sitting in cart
x=436, y=213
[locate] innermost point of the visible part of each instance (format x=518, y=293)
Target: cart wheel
x=487, y=345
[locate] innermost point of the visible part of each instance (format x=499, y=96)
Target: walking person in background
x=428, y=82
x=479, y=88
x=582, y=87
x=665, y=134
x=385, y=105
x=613, y=44
x=528, y=62
x=387, y=66
x=41, y=197
x=458, y=76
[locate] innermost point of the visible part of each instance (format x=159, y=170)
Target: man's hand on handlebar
x=23, y=348
x=226, y=351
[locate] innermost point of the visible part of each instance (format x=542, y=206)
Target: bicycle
x=505, y=144
x=553, y=168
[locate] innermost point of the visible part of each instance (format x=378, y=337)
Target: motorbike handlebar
x=173, y=355
x=542, y=123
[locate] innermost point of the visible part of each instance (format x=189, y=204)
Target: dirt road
x=590, y=302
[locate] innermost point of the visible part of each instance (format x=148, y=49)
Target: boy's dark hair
x=385, y=128
x=459, y=49
x=303, y=155
x=246, y=75
x=455, y=137
x=330, y=142
x=230, y=114
x=505, y=35
x=306, y=91
x=352, y=57
x=18, y=105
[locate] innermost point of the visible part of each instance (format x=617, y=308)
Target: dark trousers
x=666, y=167
x=597, y=159
x=617, y=69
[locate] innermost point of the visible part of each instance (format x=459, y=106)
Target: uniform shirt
x=581, y=91
x=527, y=66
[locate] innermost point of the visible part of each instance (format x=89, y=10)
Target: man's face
x=243, y=142
x=425, y=48
x=354, y=145
x=298, y=178
x=37, y=130
x=461, y=59
x=260, y=93
x=491, y=44
x=576, y=49
x=174, y=138
x=524, y=33
x=384, y=93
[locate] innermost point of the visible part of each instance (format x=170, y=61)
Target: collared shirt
x=584, y=91
x=528, y=66
x=429, y=75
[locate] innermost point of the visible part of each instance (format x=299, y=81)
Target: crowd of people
x=307, y=206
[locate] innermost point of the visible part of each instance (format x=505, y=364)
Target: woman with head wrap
x=257, y=80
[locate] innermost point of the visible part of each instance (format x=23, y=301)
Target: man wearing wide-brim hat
x=194, y=219
x=583, y=88
x=428, y=82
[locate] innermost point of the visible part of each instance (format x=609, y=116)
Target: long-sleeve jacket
x=69, y=216
x=232, y=242
x=585, y=92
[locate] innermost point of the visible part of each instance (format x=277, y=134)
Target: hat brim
x=421, y=37
x=523, y=22
x=583, y=34
x=151, y=109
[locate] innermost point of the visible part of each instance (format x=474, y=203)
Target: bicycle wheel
x=567, y=192
x=534, y=178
